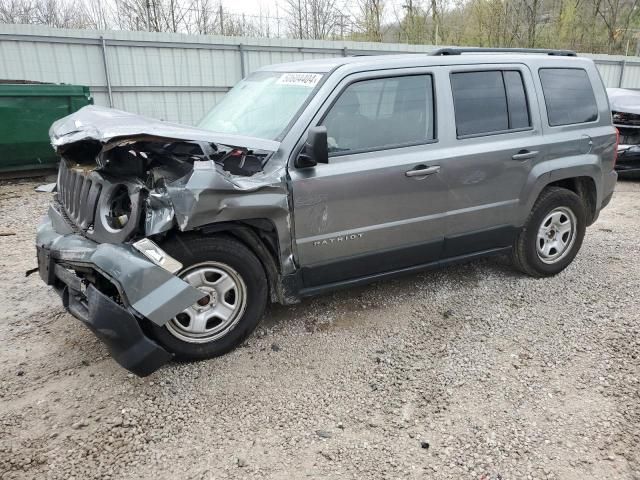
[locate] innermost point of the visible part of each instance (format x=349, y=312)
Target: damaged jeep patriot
x=168, y=240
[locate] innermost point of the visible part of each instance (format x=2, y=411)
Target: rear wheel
x=235, y=285
x=552, y=235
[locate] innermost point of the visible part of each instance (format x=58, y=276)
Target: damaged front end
x=125, y=183
x=115, y=183
x=625, y=111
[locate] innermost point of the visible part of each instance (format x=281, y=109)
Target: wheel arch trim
x=582, y=179
x=261, y=237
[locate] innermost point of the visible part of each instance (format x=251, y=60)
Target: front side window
x=489, y=102
x=568, y=96
x=262, y=105
x=385, y=112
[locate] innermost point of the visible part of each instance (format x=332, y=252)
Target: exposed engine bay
x=116, y=184
x=126, y=189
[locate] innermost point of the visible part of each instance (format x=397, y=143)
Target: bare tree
x=435, y=22
x=412, y=25
x=531, y=13
x=371, y=18
x=133, y=15
x=588, y=25
x=206, y=17
x=98, y=14
x=16, y=11
x=60, y=14
x=617, y=16
x=312, y=18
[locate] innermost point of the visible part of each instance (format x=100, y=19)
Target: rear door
x=496, y=137
x=380, y=203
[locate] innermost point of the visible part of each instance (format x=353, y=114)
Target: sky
x=277, y=8
x=252, y=6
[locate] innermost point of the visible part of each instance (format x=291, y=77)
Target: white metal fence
x=179, y=77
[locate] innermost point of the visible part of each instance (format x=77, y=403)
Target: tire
x=202, y=331
x=548, y=256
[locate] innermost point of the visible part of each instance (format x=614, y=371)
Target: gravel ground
x=470, y=372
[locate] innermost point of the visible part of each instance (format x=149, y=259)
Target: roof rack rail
x=459, y=51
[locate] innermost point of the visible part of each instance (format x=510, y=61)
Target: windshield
x=261, y=105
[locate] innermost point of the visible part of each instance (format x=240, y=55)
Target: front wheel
x=552, y=235
x=236, y=288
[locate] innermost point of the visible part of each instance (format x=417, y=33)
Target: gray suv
x=168, y=240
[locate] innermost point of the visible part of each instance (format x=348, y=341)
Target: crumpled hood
x=105, y=124
x=624, y=100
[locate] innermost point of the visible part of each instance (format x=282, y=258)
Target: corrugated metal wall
x=179, y=77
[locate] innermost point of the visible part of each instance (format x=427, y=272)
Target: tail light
x=615, y=153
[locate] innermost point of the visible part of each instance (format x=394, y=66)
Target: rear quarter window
x=568, y=95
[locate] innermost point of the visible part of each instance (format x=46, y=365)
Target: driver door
x=379, y=205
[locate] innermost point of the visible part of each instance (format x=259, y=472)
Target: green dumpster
x=26, y=113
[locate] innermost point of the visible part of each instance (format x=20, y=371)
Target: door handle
x=525, y=154
x=422, y=171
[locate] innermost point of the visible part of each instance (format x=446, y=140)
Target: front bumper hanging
x=119, y=331
x=147, y=291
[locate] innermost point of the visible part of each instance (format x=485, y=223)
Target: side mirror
x=315, y=148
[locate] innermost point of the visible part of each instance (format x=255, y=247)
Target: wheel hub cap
x=556, y=235
x=217, y=313
x=206, y=302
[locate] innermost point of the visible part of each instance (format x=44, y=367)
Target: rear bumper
x=145, y=290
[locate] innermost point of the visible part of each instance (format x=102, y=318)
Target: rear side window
x=489, y=102
x=568, y=96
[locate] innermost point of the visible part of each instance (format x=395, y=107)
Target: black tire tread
x=194, y=248
x=520, y=247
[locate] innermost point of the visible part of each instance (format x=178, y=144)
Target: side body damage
x=124, y=180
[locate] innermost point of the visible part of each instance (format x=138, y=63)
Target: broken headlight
x=119, y=208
